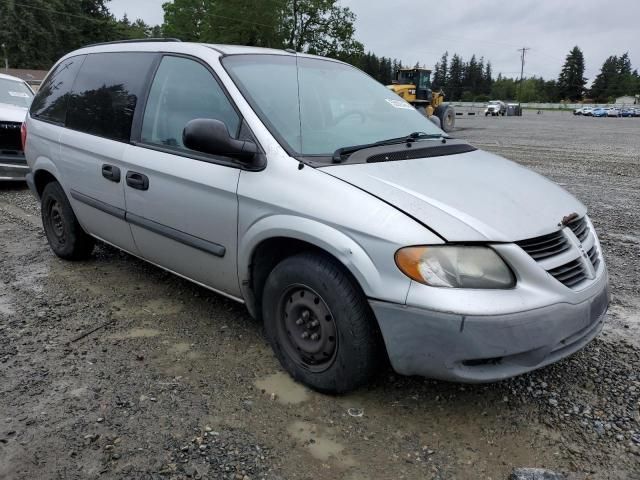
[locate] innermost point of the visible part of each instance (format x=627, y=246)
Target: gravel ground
x=112, y=368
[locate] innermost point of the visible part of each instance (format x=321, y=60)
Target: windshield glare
x=15, y=93
x=314, y=106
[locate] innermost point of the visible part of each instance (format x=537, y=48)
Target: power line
x=88, y=18
x=49, y=10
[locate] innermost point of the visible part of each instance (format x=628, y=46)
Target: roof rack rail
x=135, y=40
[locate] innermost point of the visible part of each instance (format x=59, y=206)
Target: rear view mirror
x=211, y=136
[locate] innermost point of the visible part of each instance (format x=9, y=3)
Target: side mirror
x=211, y=136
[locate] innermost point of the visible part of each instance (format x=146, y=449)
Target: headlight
x=455, y=266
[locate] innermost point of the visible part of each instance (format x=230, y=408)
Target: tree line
x=37, y=33
x=473, y=81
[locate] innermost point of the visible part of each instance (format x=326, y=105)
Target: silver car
x=15, y=98
x=348, y=223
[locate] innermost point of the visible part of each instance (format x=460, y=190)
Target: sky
x=422, y=30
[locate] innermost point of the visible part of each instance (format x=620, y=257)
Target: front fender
x=329, y=239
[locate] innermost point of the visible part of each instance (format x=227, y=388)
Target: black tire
x=447, y=116
x=66, y=237
x=318, y=285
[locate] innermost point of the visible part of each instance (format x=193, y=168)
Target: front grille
x=10, y=136
x=570, y=273
x=580, y=228
x=546, y=245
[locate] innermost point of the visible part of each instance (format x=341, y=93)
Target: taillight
x=23, y=135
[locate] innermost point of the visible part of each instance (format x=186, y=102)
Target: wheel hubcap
x=57, y=225
x=307, y=328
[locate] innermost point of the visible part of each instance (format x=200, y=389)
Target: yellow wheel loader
x=414, y=85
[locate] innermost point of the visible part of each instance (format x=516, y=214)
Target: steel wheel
x=65, y=235
x=57, y=226
x=307, y=328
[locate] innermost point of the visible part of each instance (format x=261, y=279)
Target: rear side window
x=184, y=90
x=106, y=92
x=50, y=103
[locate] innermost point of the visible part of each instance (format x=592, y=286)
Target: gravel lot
x=177, y=382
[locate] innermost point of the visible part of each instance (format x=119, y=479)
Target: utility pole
x=523, y=51
x=6, y=59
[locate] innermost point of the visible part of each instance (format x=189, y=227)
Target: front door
x=182, y=205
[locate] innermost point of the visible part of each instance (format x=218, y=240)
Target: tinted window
x=51, y=101
x=183, y=90
x=106, y=92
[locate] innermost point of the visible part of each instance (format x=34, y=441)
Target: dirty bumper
x=473, y=349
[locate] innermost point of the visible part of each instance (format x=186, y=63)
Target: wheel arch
x=44, y=172
x=265, y=244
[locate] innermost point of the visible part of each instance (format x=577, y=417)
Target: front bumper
x=474, y=349
x=13, y=167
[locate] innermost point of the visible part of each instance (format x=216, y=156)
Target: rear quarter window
x=50, y=103
x=106, y=93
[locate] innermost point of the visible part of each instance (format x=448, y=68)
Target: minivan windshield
x=15, y=93
x=315, y=106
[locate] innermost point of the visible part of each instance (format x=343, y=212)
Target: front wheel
x=447, y=116
x=66, y=237
x=319, y=324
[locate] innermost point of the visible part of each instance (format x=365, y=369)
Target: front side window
x=15, y=93
x=184, y=90
x=106, y=92
x=50, y=103
x=314, y=106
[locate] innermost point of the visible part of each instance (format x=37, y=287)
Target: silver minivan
x=348, y=223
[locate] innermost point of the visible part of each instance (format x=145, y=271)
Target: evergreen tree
x=455, y=78
x=571, y=82
x=487, y=80
x=605, y=81
x=440, y=73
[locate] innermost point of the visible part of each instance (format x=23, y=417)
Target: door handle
x=111, y=173
x=138, y=181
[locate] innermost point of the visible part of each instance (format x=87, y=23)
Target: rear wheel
x=66, y=237
x=447, y=116
x=319, y=324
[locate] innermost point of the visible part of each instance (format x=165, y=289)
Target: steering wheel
x=349, y=113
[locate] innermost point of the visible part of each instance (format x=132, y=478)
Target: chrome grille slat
x=569, y=267
x=570, y=274
x=594, y=257
x=542, y=245
x=545, y=246
x=580, y=228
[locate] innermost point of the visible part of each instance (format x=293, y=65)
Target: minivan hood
x=12, y=113
x=474, y=196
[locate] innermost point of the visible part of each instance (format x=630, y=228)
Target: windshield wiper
x=412, y=137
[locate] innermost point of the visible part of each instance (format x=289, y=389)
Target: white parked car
x=587, y=111
x=495, y=107
x=15, y=99
x=613, y=112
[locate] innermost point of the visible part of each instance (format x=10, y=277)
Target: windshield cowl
x=425, y=148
